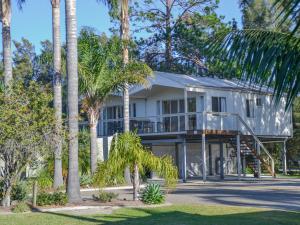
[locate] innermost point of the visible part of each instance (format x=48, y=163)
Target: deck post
x=184, y=161
x=186, y=125
x=238, y=150
x=203, y=157
x=258, y=161
x=244, y=166
x=284, y=167
x=221, y=162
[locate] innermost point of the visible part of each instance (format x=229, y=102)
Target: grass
x=288, y=176
x=171, y=215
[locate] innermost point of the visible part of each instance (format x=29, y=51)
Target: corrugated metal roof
x=183, y=81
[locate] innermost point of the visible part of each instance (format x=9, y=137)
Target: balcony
x=175, y=124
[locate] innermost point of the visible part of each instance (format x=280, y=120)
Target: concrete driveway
x=283, y=194
x=276, y=194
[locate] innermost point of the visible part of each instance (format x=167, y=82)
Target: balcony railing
x=173, y=123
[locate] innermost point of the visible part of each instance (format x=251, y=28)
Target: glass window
x=166, y=107
x=166, y=124
x=157, y=107
x=250, y=108
x=174, y=123
x=258, y=102
x=181, y=106
x=134, y=109
x=191, y=104
x=120, y=111
x=218, y=104
x=174, y=106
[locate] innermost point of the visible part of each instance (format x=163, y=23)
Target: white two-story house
x=209, y=126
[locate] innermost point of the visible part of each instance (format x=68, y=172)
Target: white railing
x=175, y=123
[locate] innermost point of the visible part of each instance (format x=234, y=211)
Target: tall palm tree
x=98, y=78
x=266, y=57
x=5, y=13
x=57, y=85
x=73, y=187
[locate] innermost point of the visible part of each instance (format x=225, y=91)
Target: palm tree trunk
x=58, y=177
x=73, y=188
x=136, y=182
x=93, y=135
x=6, y=40
x=125, y=39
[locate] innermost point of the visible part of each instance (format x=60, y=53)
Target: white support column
x=184, y=161
x=238, y=151
x=258, y=160
x=186, y=125
x=284, y=167
x=203, y=157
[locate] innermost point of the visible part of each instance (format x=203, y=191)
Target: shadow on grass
x=190, y=216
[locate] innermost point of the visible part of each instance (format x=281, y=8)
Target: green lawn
x=288, y=176
x=172, y=215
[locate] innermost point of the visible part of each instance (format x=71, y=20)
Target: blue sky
x=34, y=20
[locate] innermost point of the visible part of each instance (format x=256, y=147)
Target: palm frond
x=265, y=57
x=290, y=9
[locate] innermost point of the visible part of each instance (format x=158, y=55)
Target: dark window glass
x=174, y=106
x=166, y=107
x=192, y=105
x=174, y=123
x=166, y=124
x=258, y=102
x=134, y=109
x=158, y=108
x=215, y=104
x=250, y=108
x=181, y=106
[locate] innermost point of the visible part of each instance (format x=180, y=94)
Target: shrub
x=105, y=196
x=86, y=180
x=44, y=180
x=56, y=198
x=19, y=192
x=152, y=194
x=21, y=207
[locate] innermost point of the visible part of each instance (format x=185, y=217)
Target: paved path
x=280, y=194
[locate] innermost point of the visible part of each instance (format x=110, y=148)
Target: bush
x=86, y=180
x=45, y=181
x=105, y=196
x=56, y=198
x=21, y=207
x=152, y=194
x=19, y=192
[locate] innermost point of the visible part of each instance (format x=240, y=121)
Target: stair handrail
x=259, y=142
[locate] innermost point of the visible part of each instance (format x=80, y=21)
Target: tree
x=127, y=149
x=101, y=73
x=266, y=57
x=26, y=133
x=24, y=60
x=57, y=86
x=162, y=19
x=5, y=13
x=260, y=14
x=73, y=187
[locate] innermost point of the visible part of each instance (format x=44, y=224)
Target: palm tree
x=5, y=13
x=127, y=149
x=100, y=74
x=73, y=187
x=266, y=57
x=58, y=177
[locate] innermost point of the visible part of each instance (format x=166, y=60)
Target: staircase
x=249, y=143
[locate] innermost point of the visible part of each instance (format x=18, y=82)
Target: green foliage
x=86, y=180
x=45, y=180
x=265, y=57
x=27, y=129
x=19, y=191
x=152, y=194
x=249, y=170
x=105, y=196
x=127, y=150
x=56, y=198
x=101, y=70
x=21, y=207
